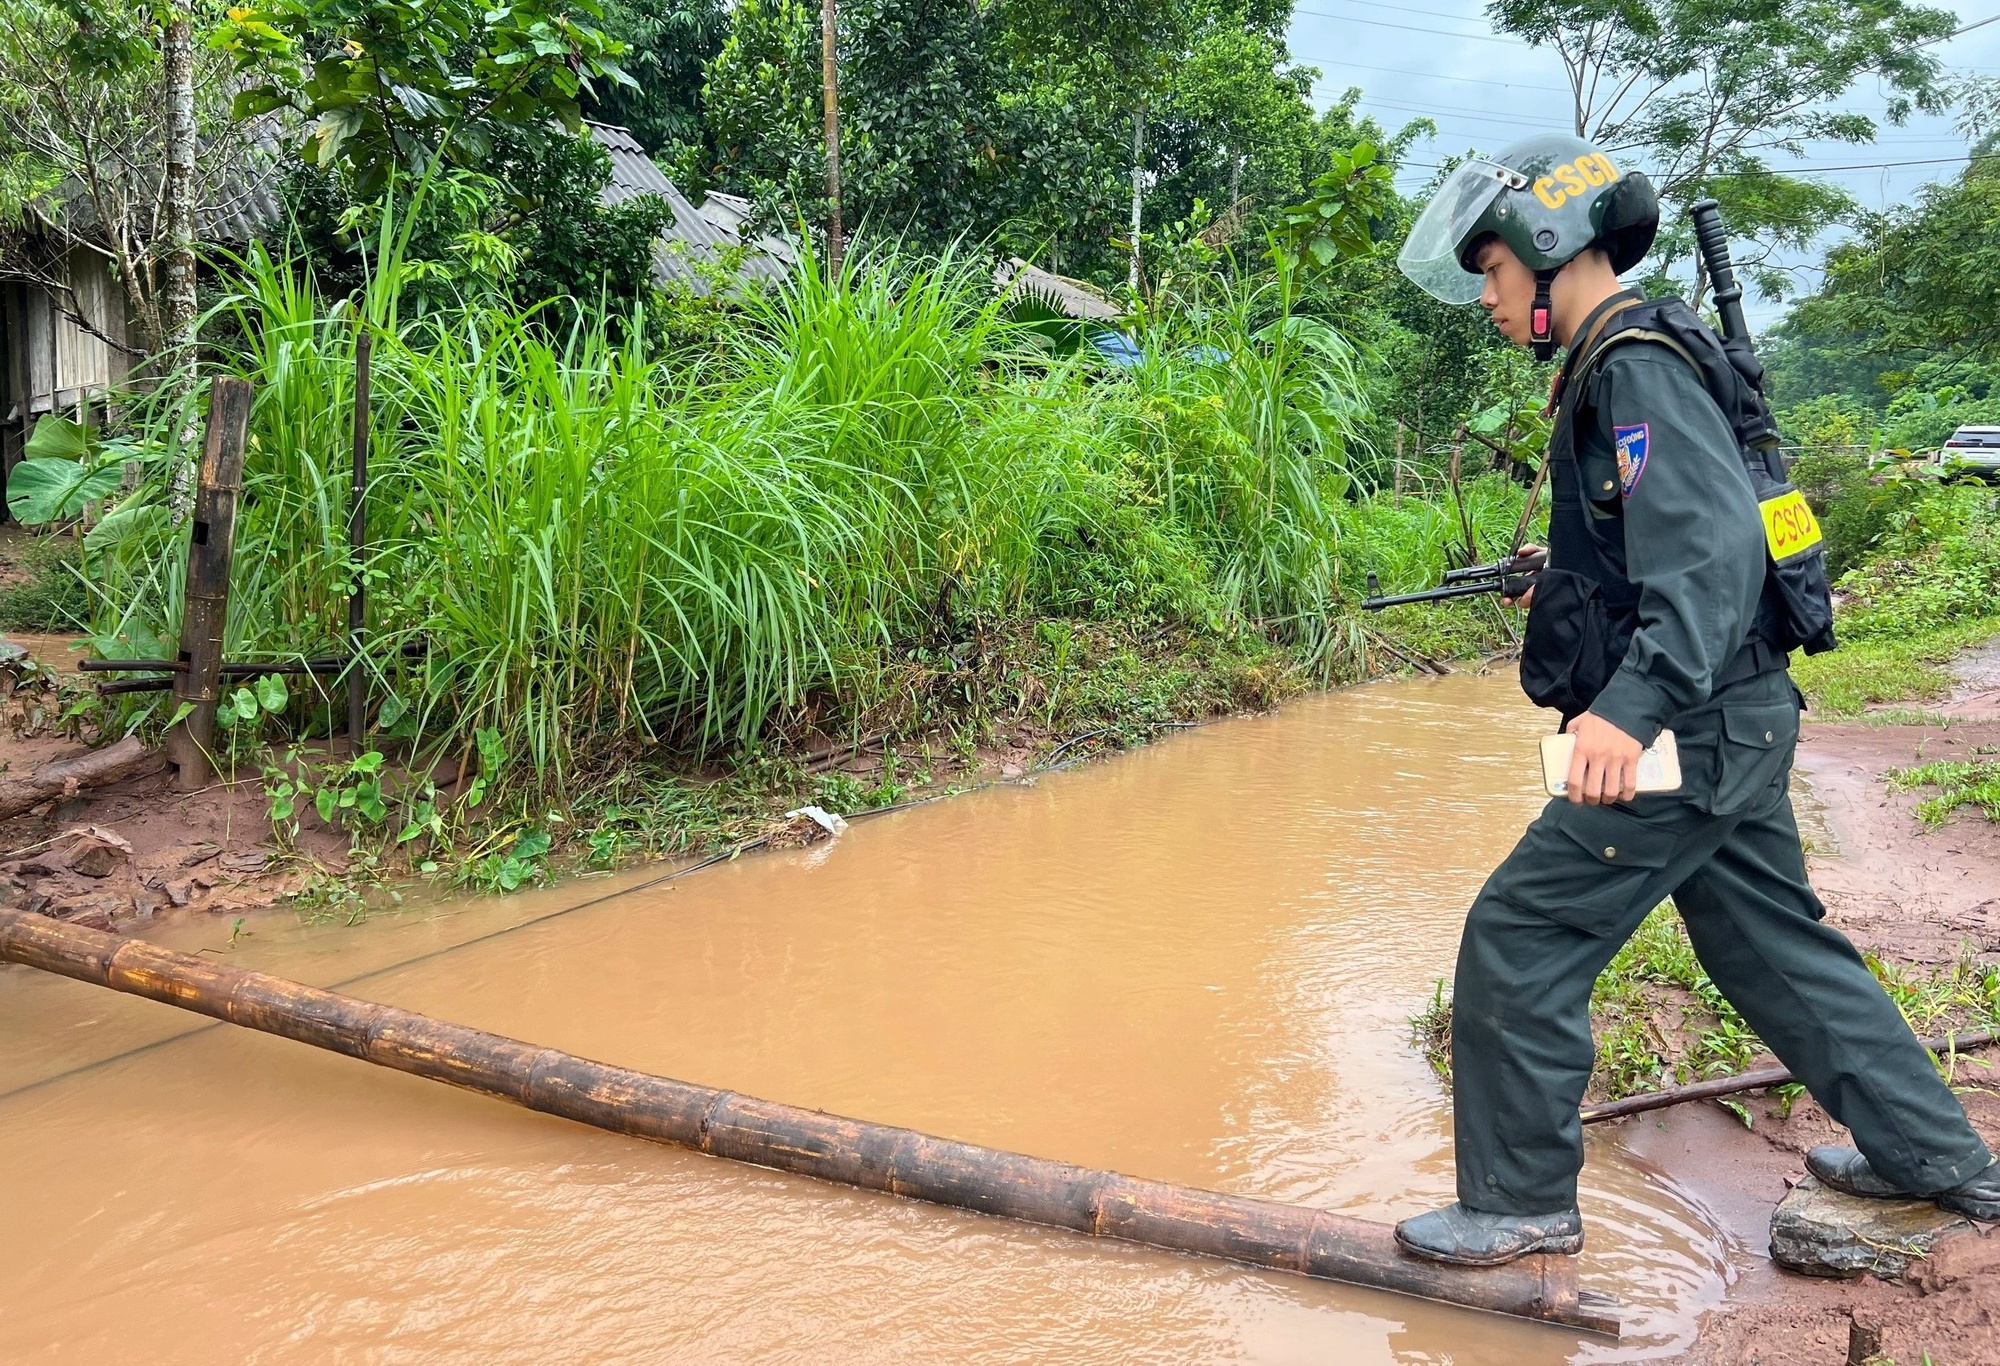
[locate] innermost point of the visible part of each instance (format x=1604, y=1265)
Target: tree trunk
x=177, y=302
x=1133, y=274
x=1236, y=160
x=830, y=92
x=63, y=778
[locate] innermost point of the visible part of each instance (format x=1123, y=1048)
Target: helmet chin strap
x=1541, y=334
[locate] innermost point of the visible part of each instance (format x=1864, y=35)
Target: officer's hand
x=1604, y=766
x=1527, y=599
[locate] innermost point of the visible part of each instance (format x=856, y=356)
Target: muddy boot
x=1848, y=1171
x=1470, y=1237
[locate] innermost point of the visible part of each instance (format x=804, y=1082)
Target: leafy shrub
x=1855, y=510
x=1936, y=564
x=1924, y=419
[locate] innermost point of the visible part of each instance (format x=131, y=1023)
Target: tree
x=110, y=148
x=924, y=141
x=529, y=227
x=1707, y=92
x=922, y=123
x=1063, y=174
x=762, y=104
x=390, y=86
x=177, y=228
x=1123, y=50
x=668, y=45
x=1919, y=279
x=1236, y=126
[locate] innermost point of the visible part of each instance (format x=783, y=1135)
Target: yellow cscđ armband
x=1790, y=529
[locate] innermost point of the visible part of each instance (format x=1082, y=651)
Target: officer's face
x=1509, y=295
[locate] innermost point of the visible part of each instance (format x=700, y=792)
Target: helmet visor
x=1430, y=256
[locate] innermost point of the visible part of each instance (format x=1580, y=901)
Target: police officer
x=1658, y=609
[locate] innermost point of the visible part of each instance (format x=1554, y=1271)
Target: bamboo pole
x=205, y=606
x=877, y=1157
x=1747, y=1081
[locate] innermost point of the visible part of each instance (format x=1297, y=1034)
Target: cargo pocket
x=1588, y=866
x=1755, y=755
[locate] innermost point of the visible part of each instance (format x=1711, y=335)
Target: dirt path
x=1913, y=897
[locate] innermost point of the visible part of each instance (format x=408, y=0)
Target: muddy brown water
x=1195, y=962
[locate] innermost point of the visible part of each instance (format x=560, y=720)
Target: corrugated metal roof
x=241, y=204
x=698, y=236
x=1073, y=297
x=248, y=211
x=246, y=206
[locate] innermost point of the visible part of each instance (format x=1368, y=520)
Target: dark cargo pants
x=1726, y=848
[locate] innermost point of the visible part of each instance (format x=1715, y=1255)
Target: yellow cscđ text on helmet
x=1575, y=178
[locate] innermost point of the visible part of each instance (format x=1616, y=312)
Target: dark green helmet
x=1548, y=198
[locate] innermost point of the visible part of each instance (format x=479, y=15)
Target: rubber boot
x=1470, y=1237
x=1847, y=1171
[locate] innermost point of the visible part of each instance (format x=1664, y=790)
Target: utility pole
x=829, y=31
x=1138, y=189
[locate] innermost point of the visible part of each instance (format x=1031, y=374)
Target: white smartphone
x=1659, y=764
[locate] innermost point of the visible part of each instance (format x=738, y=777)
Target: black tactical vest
x=1586, y=608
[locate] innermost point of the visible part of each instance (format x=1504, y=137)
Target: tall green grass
x=606, y=547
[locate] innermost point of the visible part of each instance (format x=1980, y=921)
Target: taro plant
x=347, y=794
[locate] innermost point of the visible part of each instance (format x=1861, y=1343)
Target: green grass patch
x=1968, y=782
x=1882, y=669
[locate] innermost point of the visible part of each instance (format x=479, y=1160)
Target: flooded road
x=1194, y=962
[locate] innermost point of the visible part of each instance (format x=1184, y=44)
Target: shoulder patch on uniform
x=1631, y=443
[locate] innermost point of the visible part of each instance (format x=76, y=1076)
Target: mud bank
x=1913, y=897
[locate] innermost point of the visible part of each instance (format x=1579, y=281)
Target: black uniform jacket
x=1655, y=451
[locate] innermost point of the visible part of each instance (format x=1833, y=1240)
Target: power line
x=1508, y=40
x=1402, y=9
x=1793, y=170
x=1504, y=115
x=1413, y=28
x=1464, y=114
x=1426, y=75
x=1472, y=115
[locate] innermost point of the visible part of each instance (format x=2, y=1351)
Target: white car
x=1972, y=450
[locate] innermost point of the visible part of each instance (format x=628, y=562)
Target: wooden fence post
x=357, y=544
x=211, y=547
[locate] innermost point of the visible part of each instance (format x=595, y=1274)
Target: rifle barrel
x=1456, y=590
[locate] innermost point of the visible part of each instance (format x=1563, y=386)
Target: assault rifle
x=1510, y=578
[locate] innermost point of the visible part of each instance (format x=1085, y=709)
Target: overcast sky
x=1442, y=59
